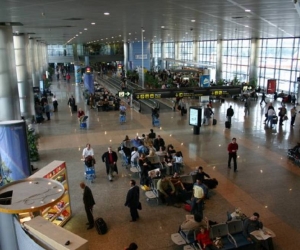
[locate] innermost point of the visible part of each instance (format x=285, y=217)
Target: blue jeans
x=270, y=119
x=197, y=207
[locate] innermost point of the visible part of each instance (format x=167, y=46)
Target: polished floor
x=266, y=181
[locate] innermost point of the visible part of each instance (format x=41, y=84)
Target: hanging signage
x=204, y=81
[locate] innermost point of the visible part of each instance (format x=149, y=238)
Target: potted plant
x=32, y=139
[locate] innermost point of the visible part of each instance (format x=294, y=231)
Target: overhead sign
x=123, y=93
x=140, y=57
x=186, y=92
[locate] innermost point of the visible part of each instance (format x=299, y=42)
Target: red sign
x=271, y=87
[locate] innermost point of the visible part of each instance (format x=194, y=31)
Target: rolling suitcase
x=227, y=124
x=74, y=108
x=101, y=226
x=122, y=119
x=214, y=122
x=275, y=119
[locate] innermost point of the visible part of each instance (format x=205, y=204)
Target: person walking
x=229, y=113
x=293, y=115
x=282, y=113
x=71, y=103
x=47, y=110
x=232, y=149
x=207, y=114
x=247, y=106
x=133, y=200
x=263, y=98
x=54, y=103
x=110, y=158
x=270, y=115
x=89, y=202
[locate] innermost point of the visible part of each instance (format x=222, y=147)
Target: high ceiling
x=58, y=21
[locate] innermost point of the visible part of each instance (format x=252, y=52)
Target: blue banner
x=77, y=73
x=14, y=156
x=204, y=81
x=89, y=83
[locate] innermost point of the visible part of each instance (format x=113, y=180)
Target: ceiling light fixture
x=93, y=23
x=247, y=10
x=162, y=27
x=193, y=21
x=106, y=13
x=85, y=28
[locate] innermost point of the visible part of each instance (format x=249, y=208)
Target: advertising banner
x=204, y=81
x=89, y=83
x=77, y=73
x=14, y=155
x=271, y=86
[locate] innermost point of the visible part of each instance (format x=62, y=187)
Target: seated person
x=159, y=142
x=166, y=190
x=151, y=153
x=80, y=115
x=168, y=159
x=175, y=179
x=201, y=174
x=126, y=142
x=177, y=163
x=170, y=149
x=252, y=224
x=204, y=240
x=193, y=222
x=105, y=106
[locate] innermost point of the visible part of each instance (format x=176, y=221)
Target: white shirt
x=271, y=112
x=134, y=156
x=86, y=152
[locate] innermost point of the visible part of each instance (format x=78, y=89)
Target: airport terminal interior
x=234, y=41
x=266, y=181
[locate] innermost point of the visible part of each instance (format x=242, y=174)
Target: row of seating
x=230, y=233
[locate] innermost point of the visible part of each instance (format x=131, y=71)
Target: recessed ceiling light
x=210, y=30
x=106, y=13
x=93, y=23
x=80, y=32
x=247, y=10
x=106, y=38
x=76, y=34
x=135, y=38
x=102, y=39
x=129, y=34
x=85, y=28
x=183, y=37
x=246, y=26
x=168, y=34
x=162, y=27
x=119, y=35
x=143, y=30
x=112, y=37
x=186, y=32
x=193, y=21
x=154, y=36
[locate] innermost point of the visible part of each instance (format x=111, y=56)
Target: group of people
x=43, y=106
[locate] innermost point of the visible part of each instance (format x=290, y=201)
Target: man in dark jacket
x=159, y=142
x=110, y=158
x=89, y=202
x=133, y=200
x=229, y=113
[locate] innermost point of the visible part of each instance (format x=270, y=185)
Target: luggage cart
x=122, y=119
x=90, y=173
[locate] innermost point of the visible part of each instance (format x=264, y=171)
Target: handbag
x=139, y=206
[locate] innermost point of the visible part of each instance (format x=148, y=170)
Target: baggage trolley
x=122, y=119
x=90, y=173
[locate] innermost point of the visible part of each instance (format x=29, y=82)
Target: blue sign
x=89, y=83
x=14, y=156
x=204, y=81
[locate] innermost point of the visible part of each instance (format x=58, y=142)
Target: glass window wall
x=185, y=51
x=279, y=59
x=207, y=53
x=169, y=50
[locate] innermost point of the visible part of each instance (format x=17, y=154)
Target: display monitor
x=194, y=117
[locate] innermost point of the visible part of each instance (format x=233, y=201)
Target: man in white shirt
x=87, y=151
x=197, y=198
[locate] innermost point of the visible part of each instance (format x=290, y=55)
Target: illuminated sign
x=186, y=92
x=88, y=70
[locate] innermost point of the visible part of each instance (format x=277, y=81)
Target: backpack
x=89, y=161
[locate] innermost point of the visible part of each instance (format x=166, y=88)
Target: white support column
x=219, y=60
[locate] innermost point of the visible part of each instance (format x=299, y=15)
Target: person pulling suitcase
x=229, y=115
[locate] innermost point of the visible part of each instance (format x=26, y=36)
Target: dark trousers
x=281, y=120
x=134, y=213
x=48, y=115
x=232, y=156
x=293, y=120
x=169, y=200
x=89, y=215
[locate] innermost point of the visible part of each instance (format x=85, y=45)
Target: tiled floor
x=267, y=182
